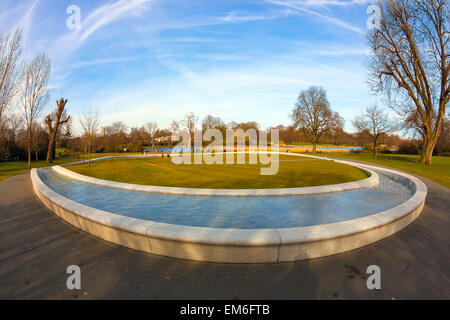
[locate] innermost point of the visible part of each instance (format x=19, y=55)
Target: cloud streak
x=324, y=3
x=235, y=17
x=335, y=21
x=98, y=19
x=110, y=12
x=25, y=22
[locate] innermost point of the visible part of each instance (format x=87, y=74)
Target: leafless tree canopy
x=15, y=124
x=90, y=122
x=211, y=122
x=35, y=88
x=151, y=129
x=35, y=93
x=189, y=122
x=117, y=128
x=410, y=65
x=186, y=126
x=313, y=115
x=10, y=71
x=374, y=123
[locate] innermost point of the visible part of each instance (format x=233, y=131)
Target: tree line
x=119, y=137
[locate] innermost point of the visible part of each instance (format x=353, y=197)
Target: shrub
x=408, y=147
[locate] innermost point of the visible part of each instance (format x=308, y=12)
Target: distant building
x=102, y=131
x=163, y=139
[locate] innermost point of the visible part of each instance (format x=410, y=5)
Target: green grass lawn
x=290, y=174
x=12, y=168
x=439, y=171
x=293, y=172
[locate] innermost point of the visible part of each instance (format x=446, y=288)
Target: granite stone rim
x=266, y=238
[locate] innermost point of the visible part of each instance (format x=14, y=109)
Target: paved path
x=36, y=247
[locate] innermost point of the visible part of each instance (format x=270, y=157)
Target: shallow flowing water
x=234, y=212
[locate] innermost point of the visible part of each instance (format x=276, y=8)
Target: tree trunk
x=314, y=147
x=49, y=158
x=53, y=130
x=429, y=143
x=51, y=145
x=374, y=147
x=54, y=147
x=89, y=151
x=51, y=150
x=29, y=147
x=427, y=152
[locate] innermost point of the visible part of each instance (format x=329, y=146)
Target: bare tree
x=115, y=136
x=373, y=124
x=15, y=123
x=54, y=122
x=117, y=127
x=232, y=125
x=150, y=130
x=409, y=64
x=188, y=123
x=10, y=70
x=313, y=115
x=35, y=94
x=175, y=126
x=210, y=122
x=38, y=139
x=90, y=122
x=337, y=127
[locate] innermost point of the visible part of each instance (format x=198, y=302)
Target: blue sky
x=155, y=60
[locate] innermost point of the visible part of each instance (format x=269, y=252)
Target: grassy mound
x=293, y=172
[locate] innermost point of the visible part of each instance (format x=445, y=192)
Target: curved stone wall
x=237, y=245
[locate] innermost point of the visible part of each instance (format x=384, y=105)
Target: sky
x=141, y=61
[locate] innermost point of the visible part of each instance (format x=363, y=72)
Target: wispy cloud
x=296, y=5
x=236, y=17
x=343, y=52
x=110, y=12
x=189, y=40
x=238, y=93
x=26, y=20
x=96, y=20
x=96, y=62
x=323, y=3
